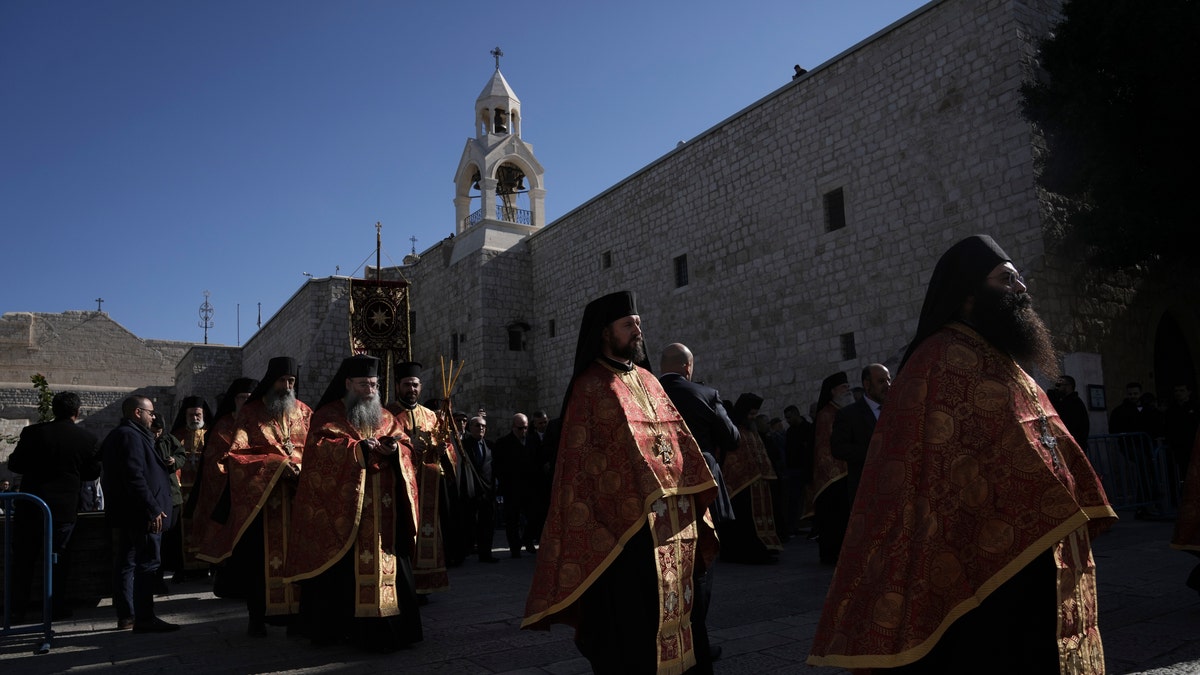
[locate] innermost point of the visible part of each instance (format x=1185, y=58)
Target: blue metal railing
x=1136, y=472
x=518, y=216
x=49, y=558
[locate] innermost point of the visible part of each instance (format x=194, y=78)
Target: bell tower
x=499, y=182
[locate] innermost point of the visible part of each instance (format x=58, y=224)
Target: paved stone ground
x=763, y=617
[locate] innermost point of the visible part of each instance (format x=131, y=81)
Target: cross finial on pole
x=99, y=302
x=413, y=239
x=497, y=53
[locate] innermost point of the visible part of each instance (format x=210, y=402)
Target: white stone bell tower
x=498, y=186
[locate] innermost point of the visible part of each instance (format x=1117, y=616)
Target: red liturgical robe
x=626, y=460
x=969, y=477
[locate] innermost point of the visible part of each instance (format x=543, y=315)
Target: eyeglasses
x=152, y=413
x=1008, y=279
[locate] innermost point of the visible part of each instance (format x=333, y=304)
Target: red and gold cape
x=625, y=459
x=193, y=444
x=960, y=491
x=258, y=457
x=749, y=467
x=429, y=556
x=1187, y=525
x=350, y=498
x=216, y=447
x=826, y=468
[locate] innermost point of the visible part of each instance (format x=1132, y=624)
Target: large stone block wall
x=313, y=328
x=477, y=298
x=207, y=370
x=921, y=129
x=80, y=348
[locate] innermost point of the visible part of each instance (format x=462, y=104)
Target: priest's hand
x=292, y=472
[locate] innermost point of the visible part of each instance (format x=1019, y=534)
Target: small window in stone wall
x=551, y=329
x=849, y=351
x=412, y=321
x=681, y=271
x=606, y=260
x=516, y=336
x=835, y=210
x=454, y=338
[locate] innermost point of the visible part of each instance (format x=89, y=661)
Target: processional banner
x=379, y=325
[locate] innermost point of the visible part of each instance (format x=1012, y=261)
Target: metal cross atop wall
x=497, y=53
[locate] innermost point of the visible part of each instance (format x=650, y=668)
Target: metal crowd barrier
x=7, y=499
x=1136, y=472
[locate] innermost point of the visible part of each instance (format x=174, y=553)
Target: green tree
x=45, y=397
x=1114, y=101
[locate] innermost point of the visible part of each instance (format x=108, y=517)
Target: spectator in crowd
x=54, y=459
x=137, y=488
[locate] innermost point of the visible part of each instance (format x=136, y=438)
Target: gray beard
x=363, y=413
x=280, y=404
x=195, y=425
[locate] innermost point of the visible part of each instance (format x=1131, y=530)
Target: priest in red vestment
x=437, y=464
x=969, y=543
x=207, y=507
x=1187, y=526
x=355, y=518
x=751, y=536
x=263, y=466
x=627, y=531
x=191, y=424
x=830, y=507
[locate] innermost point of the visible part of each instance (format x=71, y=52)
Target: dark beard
x=1009, y=322
x=280, y=404
x=364, y=414
x=632, y=351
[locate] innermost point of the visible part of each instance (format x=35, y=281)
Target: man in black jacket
x=479, y=514
x=138, y=493
x=53, y=458
x=701, y=409
x=854, y=424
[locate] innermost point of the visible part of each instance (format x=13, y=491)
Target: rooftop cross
x=99, y=302
x=497, y=53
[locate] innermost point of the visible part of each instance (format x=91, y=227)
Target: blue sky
x=151, y=151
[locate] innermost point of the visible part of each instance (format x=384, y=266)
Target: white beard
x=280, y=404
x=364, y=414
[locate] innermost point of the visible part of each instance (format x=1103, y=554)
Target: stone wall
x=476, y=298
x=313, y=327
x=921, y=130
x=83, y=348
x=207, y=370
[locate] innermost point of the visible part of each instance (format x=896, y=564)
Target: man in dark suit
x=479, y=514
x=53, y=458
x=854, y=424
x=138, y=493
x=1071, y=409
x=516, y=476
x=701, y=409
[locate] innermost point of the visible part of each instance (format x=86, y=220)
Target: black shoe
x=155, y=625
x=530, y=548
x=160, y=588
x=256, y=629
x=125, y=624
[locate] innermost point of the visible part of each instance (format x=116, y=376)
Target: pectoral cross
x=661, y=449
x=1047, y=439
